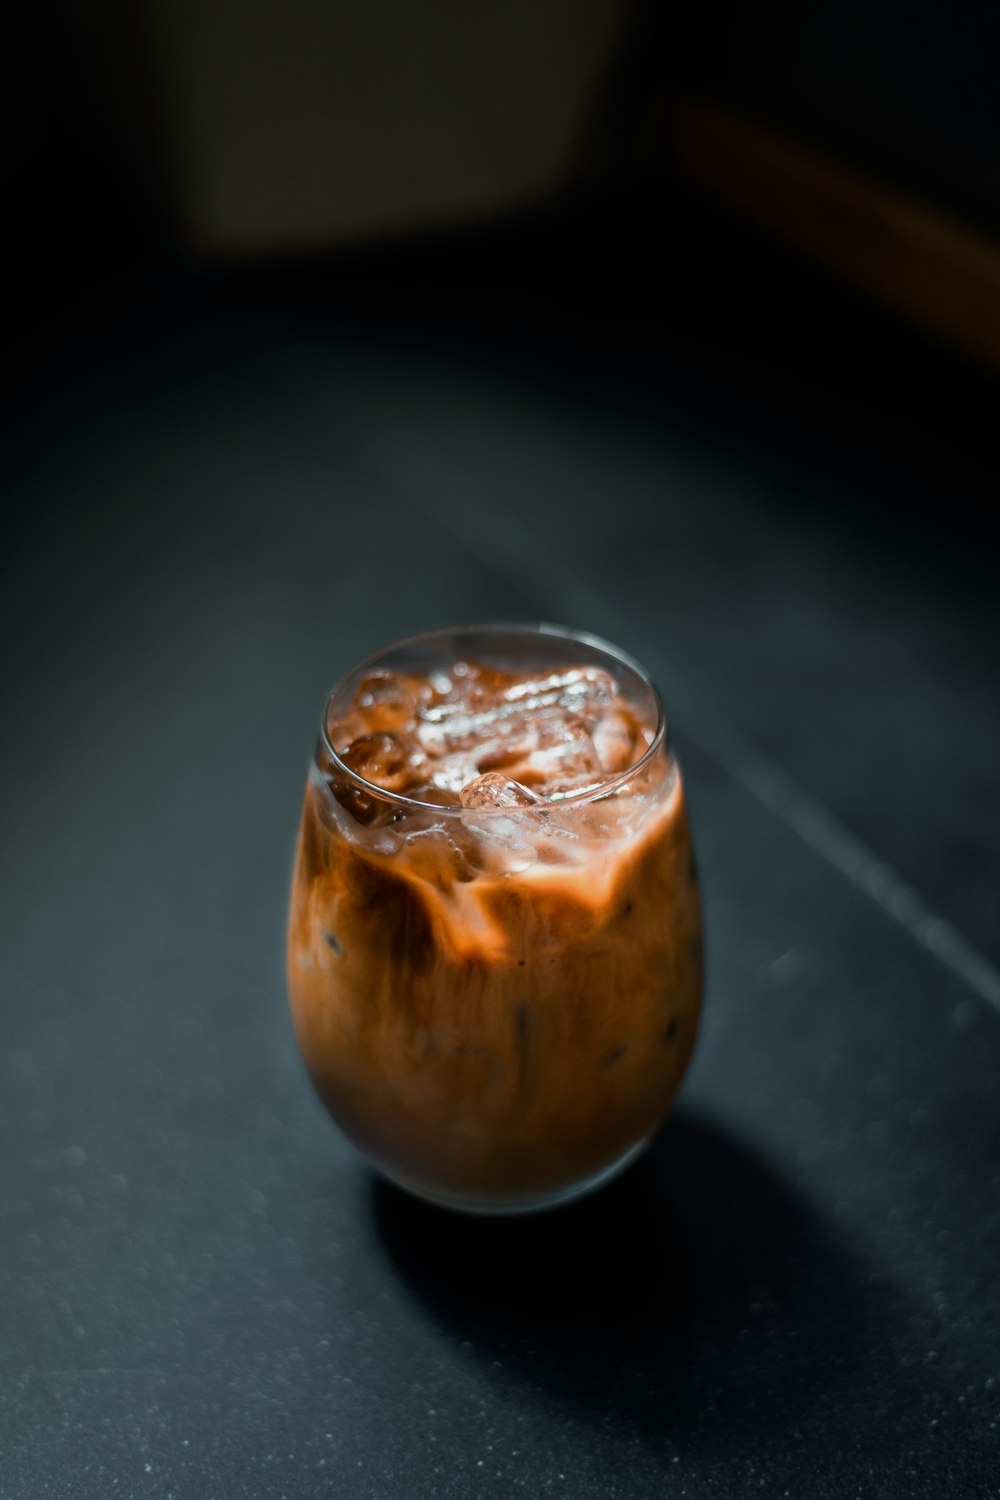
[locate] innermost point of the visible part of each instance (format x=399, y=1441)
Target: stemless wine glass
x=496, y=1005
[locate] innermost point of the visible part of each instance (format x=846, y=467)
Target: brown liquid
x=495, y=996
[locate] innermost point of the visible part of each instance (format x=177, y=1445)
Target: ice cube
x=479, y=685
x=550, y=686
x=496, y=790
x=499, y=839
x=435, y=854
x=583, y=691
x=516, y=740
x=614, y=740
x=382, y=837
x=435, y=794
x=382, y=758
x=501, y=851
x=561, y=845
x=452, y=772
x=564, y=754
x=389, y=700
x=446, y=727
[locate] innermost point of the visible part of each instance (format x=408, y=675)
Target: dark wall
x=908, y=91
x=130, y=114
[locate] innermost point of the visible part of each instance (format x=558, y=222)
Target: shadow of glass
x=698, y=1290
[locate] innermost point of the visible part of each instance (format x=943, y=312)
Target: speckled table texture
x=204, y=1291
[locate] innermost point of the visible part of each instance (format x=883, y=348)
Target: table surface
x=214, y=510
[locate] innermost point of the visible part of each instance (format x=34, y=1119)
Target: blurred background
x=677, y=323
x=329, y=323
x=150, y=136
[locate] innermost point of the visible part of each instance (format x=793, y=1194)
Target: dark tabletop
x=215, y=504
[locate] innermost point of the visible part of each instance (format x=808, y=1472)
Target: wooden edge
x=933, y=268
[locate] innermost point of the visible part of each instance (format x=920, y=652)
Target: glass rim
x=546, y=628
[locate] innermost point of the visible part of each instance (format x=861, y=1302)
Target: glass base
x=532, y=1203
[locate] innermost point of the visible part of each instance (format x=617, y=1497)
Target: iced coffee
x=494, y=948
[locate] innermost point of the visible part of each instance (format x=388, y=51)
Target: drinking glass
x=496, y=1005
